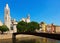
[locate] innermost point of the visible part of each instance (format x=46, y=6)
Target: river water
x=34, y=39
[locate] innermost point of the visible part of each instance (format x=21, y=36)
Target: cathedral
x=26, y=19
x=11, y=23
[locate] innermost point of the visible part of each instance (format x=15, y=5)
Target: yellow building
x=43, y=26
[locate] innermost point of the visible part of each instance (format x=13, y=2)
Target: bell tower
x=7, y=18
x=28, y=18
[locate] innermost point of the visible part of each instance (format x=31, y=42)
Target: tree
x=3, y=28
x=32, y=26
x=27, y=27
x=21, y=26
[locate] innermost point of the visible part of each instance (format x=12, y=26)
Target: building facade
x=43, y=27
x=50, y=28
x=57, y=29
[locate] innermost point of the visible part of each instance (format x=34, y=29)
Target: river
x=34, y=39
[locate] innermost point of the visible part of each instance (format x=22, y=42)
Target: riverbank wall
x=9, y=36
x=5, y=36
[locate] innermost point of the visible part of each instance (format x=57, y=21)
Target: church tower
x=28, y=18
x=7, y=18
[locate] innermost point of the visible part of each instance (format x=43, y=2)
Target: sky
x=47, y=11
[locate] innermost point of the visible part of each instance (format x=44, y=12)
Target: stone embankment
x=5, y=36
x=9, y=36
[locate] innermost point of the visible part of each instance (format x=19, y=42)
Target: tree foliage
x=21, y=26
x=33, y=26
x=27, y=27
x=3, y=28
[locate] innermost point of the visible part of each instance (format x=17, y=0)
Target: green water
x=31, y=40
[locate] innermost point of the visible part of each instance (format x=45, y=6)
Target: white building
x=26, y=19
x=14, y=23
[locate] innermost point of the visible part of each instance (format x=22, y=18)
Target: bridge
x=47, y=35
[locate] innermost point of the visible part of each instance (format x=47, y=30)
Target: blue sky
x=39, y=10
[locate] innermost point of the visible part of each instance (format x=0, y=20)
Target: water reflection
x=38, y=40
x=31, y=40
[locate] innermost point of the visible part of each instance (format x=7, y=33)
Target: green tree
x=3, y=28
x=21, y=26
x=32, y=26
x=27, y=27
